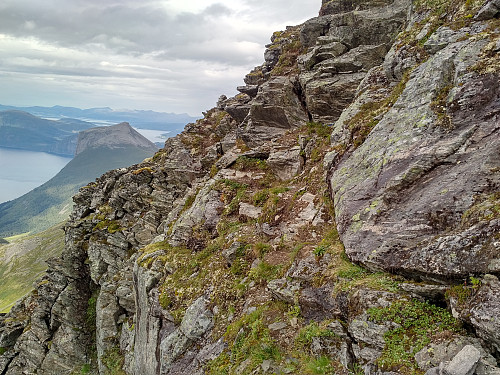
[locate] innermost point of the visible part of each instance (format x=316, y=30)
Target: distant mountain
x=22, y=130
x=115, y=147
x=113, y=137
x=171, y=122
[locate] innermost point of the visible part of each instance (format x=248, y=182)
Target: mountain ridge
x=339, y=216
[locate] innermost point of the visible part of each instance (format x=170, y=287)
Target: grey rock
x=284, y=290
x=435, y=353
x=197, y=320
x=376, y=215
x=250, y=90
x=483, y=311
x=249, y=210
x=441, y=38
x=287, y=163
x=464, y=363
x=277, y=326
x=231, y=253
x=432, y=371
x=364, y=331
x=276, y=109
x=491, y=9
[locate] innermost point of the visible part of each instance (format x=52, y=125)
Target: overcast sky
x=165, y=55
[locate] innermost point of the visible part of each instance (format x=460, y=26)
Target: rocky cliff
x=340, y=215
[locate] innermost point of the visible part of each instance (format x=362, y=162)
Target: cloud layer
x=164, y=55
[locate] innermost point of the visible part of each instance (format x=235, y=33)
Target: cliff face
x=340, y=215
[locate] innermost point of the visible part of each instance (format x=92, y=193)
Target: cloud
x=146, y=55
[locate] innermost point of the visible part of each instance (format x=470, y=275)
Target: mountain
x=24, y=131
x=172, y=122
x=339, y=216
x=115, y=146
x=113, y=137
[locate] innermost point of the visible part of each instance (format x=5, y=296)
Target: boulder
x=286, y=163
x=464, y=363
x=400, y=197
x=276, y=109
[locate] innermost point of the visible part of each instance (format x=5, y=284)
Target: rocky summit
x=341, y=215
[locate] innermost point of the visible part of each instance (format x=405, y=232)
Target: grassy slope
x=51, y=203
x=22, y=261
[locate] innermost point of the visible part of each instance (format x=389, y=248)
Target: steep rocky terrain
x=340, y=215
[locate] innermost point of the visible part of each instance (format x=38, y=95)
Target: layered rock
x=221, y=253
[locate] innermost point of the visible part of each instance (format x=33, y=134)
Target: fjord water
x=22, y=171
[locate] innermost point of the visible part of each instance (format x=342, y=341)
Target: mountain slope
x=118, y=146
x=259, y=241
x=24, y=131
x=23, y=260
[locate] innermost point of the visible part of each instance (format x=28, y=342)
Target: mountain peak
x=116, y=136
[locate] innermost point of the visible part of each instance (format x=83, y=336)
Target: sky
x=164, y=55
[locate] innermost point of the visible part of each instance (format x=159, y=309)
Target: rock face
x=404, y=196
x=285, y=232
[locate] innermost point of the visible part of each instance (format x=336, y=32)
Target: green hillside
x=22, y=130
x=51, y=203
x=22, y=261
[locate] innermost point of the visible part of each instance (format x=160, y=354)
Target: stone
x=249, y=210
x=197, y=319
x=277, y=326
x=276, y=109
x=286, y=163
x=464, y=363
x=284, y=290
x=435, y=353
x=490, y=9
x=422, y=235
x=483, y=310
x=441, y=38
x=231, y=253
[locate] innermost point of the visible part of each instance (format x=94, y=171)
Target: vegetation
x=418, y=322
x=22, y=261
x=113, y=360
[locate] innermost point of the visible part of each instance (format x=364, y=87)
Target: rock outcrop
x=340, y=215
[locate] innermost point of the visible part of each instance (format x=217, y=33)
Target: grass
x=113, y=360
x=417, y=323
x=306, y=335
x=23, y=261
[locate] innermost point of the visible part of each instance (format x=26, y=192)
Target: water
x=154, y=135
x=22, y=171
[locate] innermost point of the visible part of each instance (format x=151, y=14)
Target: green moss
x=418, y=323
x=244, y=163
x=439, y=106
x=113, y=361
x=370, y=113
x=260, y=249
x=249, y=340
x=306, y=335
x=320, y=366
x=3, y=350
x=260, y=197
x=265, y=272
x=147, y=170
x=319, y=129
